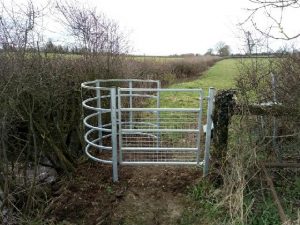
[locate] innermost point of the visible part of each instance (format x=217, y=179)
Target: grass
x=203, y=206
x=264, y=212
x=222, y=76
x=219, y=76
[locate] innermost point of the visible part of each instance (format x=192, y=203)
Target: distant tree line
x=49, y=47
x=221, y=49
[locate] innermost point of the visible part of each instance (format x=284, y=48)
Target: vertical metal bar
x=114, y=134
x=274, y=87
x=130, y=104
x=158, y=113
x=274, y=138
x=98, y=94
x=120, y=125
x=211, y=94
x=199, y=126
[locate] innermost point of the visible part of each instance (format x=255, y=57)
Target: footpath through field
x=219, y=76
x=145, y=195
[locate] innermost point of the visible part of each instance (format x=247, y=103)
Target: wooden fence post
x=223, y=111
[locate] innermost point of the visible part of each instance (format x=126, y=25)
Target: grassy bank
x=220, y=76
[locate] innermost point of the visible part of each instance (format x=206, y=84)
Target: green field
x=219, y=76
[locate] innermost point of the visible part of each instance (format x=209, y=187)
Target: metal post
x=210, y=98
x=274, y=138
x=130, y=104
x=274, y=87
x=199, y=126
x=114, y=134
x=98, y=94
x=120, y=125
x=158, y=114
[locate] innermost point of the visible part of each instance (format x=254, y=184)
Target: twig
x=282, y=215
x=282, y=165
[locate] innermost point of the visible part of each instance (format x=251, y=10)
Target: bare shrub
x=255, y=80
x=167, y=70
x=192, y=66
x=40, y=114
x=93, y=32
x=256, y=140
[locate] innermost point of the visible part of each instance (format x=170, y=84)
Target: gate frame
x=116, y=111
x=158, y=110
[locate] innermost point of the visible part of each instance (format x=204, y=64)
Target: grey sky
x=164, y=27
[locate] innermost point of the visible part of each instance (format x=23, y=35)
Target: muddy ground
x=144, y=195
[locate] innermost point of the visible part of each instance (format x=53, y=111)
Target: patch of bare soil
x=144, y=195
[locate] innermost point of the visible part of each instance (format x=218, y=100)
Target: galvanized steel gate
x=135, y=124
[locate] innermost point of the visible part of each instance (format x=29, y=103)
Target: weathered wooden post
x=223, y=111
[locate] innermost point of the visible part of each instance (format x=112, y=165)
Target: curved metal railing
x=101, y=133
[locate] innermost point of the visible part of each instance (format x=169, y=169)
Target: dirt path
x=145, y=195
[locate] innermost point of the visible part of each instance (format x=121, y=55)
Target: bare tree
x=209, y=51
x=18, y=34
x=93, y=31
x=18, y=25
x=274, y=12
x=222, y=48
x=250, y=44
x=96, y=34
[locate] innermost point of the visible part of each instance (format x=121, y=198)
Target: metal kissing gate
x=134, y=122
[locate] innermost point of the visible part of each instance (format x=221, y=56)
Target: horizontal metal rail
x=158, y=149
x=85, y=122
x=86, y=84
x=128, y=131
x=128, y=95
x=160, y=109
x=95, y=158
x=93, y=141
x=84, y=104
x=161, y=90
x=167, y=163
x=121, y=80
x=138, y=95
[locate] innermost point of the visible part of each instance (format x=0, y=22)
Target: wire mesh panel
x=159, y=133
x=147, y=150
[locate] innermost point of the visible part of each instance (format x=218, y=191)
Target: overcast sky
x=165, y=27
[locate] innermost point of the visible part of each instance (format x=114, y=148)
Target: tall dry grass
x=244, y=193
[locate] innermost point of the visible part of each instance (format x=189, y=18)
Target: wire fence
x=279, y=137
